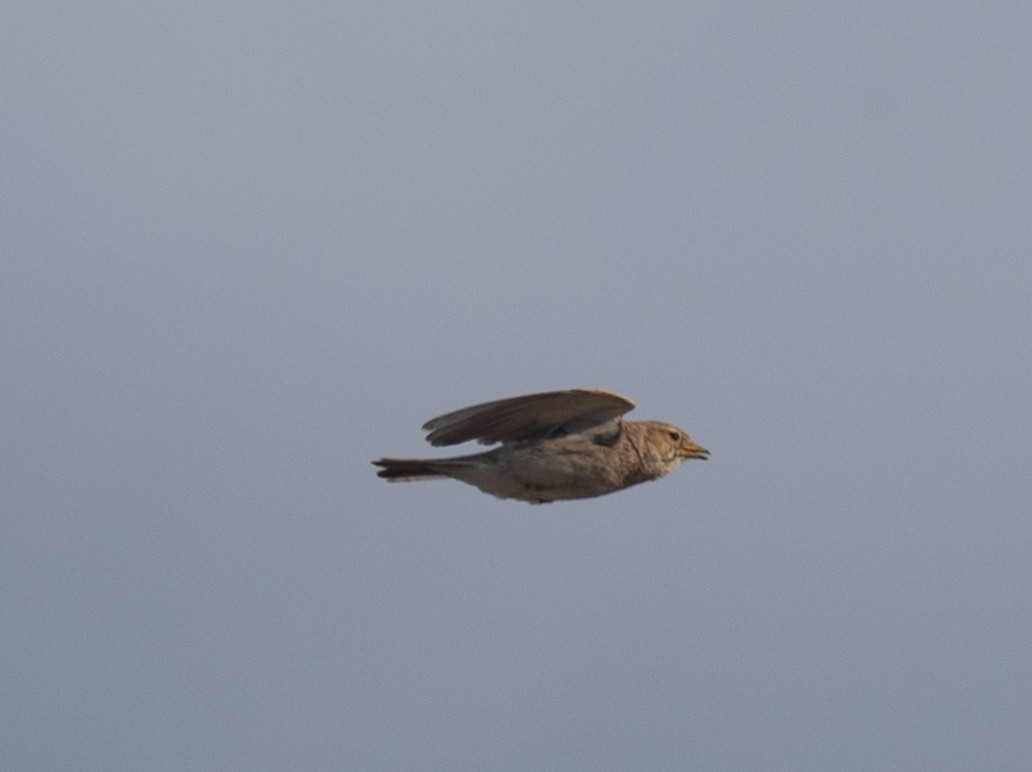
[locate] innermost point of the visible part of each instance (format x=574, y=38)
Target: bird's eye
x=675, y=436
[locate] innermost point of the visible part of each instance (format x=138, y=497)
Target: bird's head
x=666, y=446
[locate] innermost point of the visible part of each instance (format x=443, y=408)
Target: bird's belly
x=548, y=473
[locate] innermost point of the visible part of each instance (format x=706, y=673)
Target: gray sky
x=250, y=247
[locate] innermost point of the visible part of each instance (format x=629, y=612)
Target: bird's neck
x=648, y=467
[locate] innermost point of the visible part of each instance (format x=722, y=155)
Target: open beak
x=689, y=449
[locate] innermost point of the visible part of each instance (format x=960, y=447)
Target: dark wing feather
x=526, y=417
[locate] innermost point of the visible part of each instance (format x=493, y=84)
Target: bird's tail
x=406, y=469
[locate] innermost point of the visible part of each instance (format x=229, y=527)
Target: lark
x=555, y=445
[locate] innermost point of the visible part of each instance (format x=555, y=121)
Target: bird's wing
x=526, y=417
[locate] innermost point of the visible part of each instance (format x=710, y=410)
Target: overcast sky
x=249, y=247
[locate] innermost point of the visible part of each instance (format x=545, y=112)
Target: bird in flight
x=554, y=445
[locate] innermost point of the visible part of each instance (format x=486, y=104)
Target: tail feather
x=404, y=470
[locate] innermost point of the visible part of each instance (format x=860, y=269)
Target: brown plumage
x=554, y=445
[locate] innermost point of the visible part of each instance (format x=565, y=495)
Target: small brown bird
x=555, y=445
